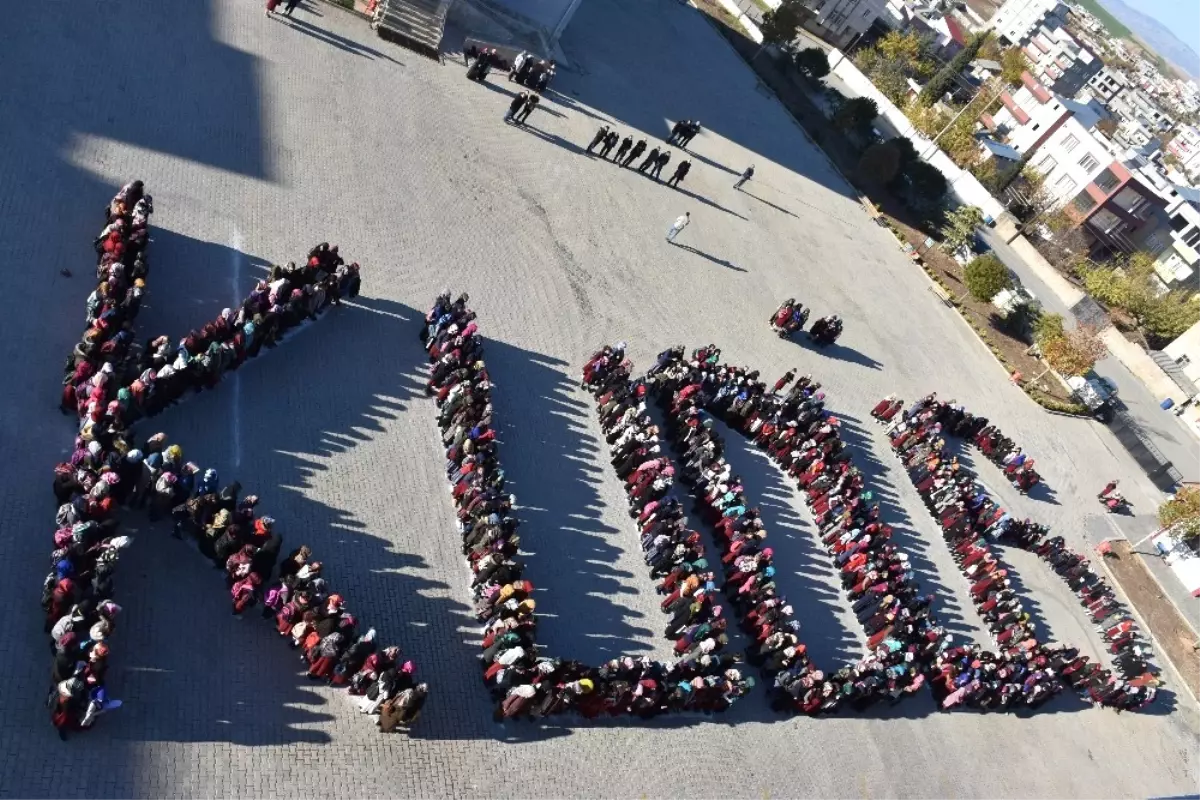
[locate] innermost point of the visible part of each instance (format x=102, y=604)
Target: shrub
x=986, y=276
x=923, y=186
x=812, y=63
x=1183, y=510
x=856, y=114
x=879, y=164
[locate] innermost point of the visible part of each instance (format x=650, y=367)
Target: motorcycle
x=790, y=317
x=1115, y=503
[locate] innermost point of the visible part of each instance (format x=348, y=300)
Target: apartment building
x=1016, y=20
x=1106, y=84
x=1185, y=146
x=1038, y=27
x=840, y=22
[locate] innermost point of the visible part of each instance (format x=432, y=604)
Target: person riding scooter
x=1114, y=502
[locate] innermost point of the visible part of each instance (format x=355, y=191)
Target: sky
x=1181, y=16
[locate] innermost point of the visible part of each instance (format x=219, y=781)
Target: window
x=1192, y=238
x=1088, y=162
x=1047, y=165
x=1068, y=144
x=1106, y=180
x=1084, y=202
x=1178, y=222
x=1066, y=184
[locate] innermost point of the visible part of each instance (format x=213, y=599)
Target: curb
x=1159, y=650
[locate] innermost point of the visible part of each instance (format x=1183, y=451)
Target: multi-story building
x=1179, y=256
x=840, y=22
x=1059, y=139
x=1185, y=146
x=1106, y=84
x=1016, y=20
x=1039, y=28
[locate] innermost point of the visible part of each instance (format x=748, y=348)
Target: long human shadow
x=804, y=572
x=720, y=262
x=631, y=54
x=552, y=138
x=766, y=202
x=501, y=88
x=318, y=396
x=568, y=549
x=336, y=40
x=698, y=198
x=836, y=350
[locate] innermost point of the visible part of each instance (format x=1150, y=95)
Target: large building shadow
x=627, y=56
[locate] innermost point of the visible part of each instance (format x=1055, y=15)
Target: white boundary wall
x=963, y=185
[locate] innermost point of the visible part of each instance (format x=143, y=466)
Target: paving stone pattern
x=261, y=137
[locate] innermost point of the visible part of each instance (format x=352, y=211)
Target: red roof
x=956, y=31
x=1036, y=89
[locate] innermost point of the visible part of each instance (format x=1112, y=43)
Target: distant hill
x=1158, y=37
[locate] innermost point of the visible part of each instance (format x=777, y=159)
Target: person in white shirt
x=679, y=225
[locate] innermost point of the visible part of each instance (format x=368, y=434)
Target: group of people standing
x=110, y=383
x=1025, y=671
x=625, y=151
x=675, y=554
x=801, y=437
x=524, y=683
x=531, y=72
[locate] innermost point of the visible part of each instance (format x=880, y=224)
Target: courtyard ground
x=258, y=138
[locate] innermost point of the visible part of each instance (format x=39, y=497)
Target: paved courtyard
x=257, y=139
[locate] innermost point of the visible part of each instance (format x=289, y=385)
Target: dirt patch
x=1011, y=351
x=1176, y=640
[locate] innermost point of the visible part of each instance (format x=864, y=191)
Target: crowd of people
x=531, y=72
x=1025, y=671
x=625, y=151
x=111, y=383
x=524, y=683
x=675, y=555
x=683, y=132
x=991, y=441
x=801, y=436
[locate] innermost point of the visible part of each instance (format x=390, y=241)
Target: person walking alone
x=679, y=225
x=747, y=175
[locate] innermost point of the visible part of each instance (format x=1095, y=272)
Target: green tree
x=893, y=60
x=879, y=164
x=1012, y=63
x=1182, y=510
x=943, y=81
x=924, y=186
x=779, y=26
x=959, y=230
x=856, y=114
x=812, y=63
x=986, y=276
x=1165, y=318
x=905, y=149
x=1047, y=328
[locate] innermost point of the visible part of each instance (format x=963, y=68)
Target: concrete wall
x=963, y=185
x=1188, y=344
